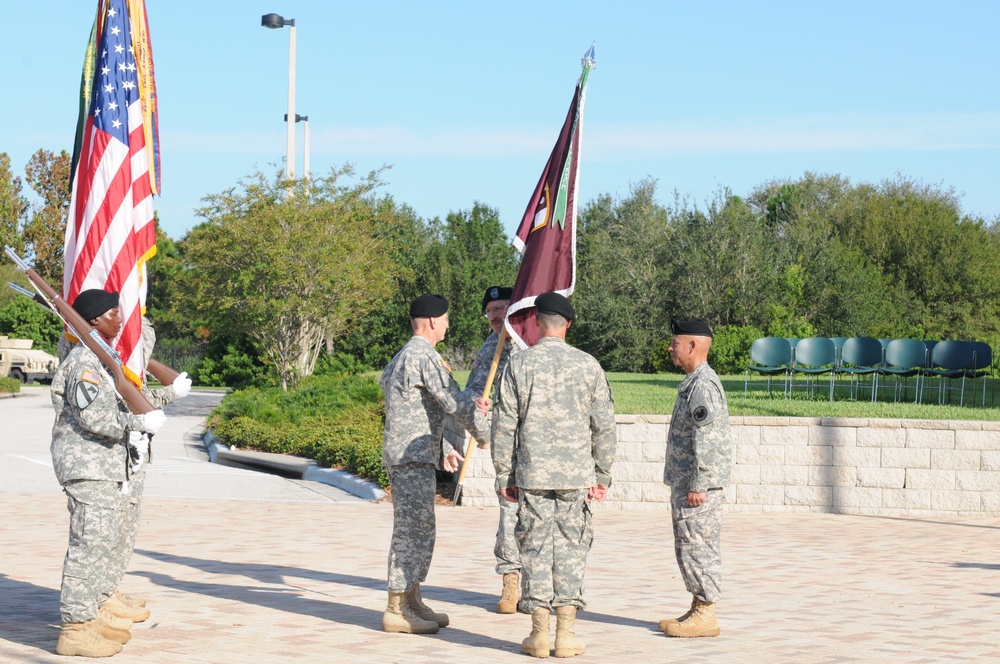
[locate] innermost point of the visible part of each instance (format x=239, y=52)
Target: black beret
x=694, y=328
x=554, y=303
x=428, y=306
x=94, y=303
x=494, y=293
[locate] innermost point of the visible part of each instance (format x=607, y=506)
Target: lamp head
x=275, y=21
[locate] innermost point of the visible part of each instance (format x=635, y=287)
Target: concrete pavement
x=242, y=566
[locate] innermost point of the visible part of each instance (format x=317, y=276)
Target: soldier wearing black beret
x=699, y=461
x=419, y=393
x=496, y=299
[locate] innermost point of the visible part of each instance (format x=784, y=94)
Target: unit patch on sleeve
x=700, y=413
x=85, y=394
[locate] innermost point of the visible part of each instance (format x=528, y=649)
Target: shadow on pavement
x=29, y=614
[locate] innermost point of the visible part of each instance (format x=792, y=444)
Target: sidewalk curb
x=306, y=468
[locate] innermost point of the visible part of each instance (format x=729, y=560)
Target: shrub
x=9, y=385
x=247, y=433
x=336, y=420
x=730, y=352
x=339, y=364
x=660, y=357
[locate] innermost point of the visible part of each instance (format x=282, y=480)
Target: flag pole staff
x=486, y=393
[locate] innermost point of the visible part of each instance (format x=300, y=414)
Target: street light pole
x=275, y=21
x=304, y=119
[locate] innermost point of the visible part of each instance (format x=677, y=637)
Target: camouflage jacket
x=553, y=420
x=89, y=434
x=454, y=434
x=419, y=392
x=699, y=446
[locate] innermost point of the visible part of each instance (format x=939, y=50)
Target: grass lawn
x=654, y=394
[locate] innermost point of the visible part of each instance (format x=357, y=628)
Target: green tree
x=22, y=318
x=49, y=175
x=379, y=335
x=13, y=211
x=472, y=255
x=290, y=264
x=623, y=295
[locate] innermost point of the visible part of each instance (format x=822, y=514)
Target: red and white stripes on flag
x=111, y=232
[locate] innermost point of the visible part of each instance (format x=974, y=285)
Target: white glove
x=140, y=442
x=182, y=385
x=153, y=421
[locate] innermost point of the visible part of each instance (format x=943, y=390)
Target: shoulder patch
x=444, y=363
x=475, y=363
x=700, y=413
x=85, y=394
x=91, y=377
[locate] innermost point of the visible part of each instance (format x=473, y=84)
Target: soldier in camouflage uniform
x=89, y=457
x=699, y=461
x=118, y=603
x=495, y=302
x=419, y=392
x=554, y=443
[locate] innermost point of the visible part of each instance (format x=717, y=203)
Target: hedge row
x=336, y=421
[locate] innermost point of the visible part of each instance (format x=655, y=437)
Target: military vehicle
x=26, y=363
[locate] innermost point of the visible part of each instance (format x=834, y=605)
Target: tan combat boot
x=416, y=604
x=117, y=607
x=510, y=593
x=537, y=643
x=112, y=627
x=701, y=622
x=128, y=600
x=567, y=645
x=398, y=617
x=83, y=639
x=685, y=616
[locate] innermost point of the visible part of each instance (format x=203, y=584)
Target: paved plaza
x=247, y=567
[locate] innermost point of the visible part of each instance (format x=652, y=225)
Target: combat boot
x=510, y=593
x=567, y=645
x=537, y=643
x=417, y=606
x=701, y=622
x=112, y=627
x=83, y=639
x=119, y=608
x=399, y=618
x=128, y=600
x=685, y=616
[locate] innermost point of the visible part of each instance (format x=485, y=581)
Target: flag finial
x=589, y=59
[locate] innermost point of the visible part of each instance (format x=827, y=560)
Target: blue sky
x=465, y=99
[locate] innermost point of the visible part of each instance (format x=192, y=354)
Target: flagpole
x=486, y=392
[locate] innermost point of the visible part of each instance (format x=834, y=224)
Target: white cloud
x=849, y=133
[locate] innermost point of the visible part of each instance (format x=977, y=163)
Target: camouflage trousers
x=554, y=533
x=414, y=528
x=128, y=530
x=94, y=521
x=698, y=543
x=506, y=552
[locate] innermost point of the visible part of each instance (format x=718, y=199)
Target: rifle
x=126, y=389
x=160, y=371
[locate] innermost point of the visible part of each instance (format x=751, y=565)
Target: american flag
x=111, y=232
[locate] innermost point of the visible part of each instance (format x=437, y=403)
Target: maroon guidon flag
x=546, y=237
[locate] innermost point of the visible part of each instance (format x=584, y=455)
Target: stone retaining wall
x=802, y=464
